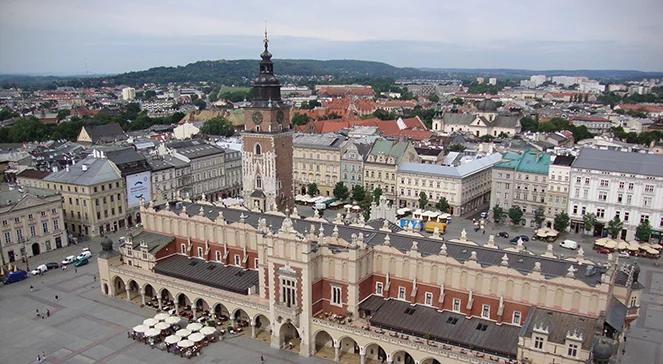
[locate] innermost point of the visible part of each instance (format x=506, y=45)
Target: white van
x=39, y=270
x=569, y=244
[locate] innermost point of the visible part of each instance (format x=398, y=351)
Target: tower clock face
x=257, y=117
x=280, y=116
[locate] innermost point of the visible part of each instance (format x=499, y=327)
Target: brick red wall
x=174, y=247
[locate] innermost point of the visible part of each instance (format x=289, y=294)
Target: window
x=626, y=216
x=644, y=218
x=8, y=237
x=575, y=209
x=401, y=293
x=44, y=226
x=217, y=256
x=19, y=234
x=600, y=213
x=255, y=263
x=621, y=185
x=56, y=224
x=604, y=183
x=33, y=231
x=630, y=186
x=538, y=342
x=288, y=292
x=258, y=182
x=428, y=299
x=379, y=288
x=573, y=350
x=586, y=181
x=649, y=188
x=456, y=305
x=620, y=197
x=485, y=311
x=603, y=196
x=258, y=149
x=183, y=248
x=516, y=318
x=578, y=179
x=237, y=260
x=200, y=252
x=336, y=295
x=647, y=201
x=629, y=198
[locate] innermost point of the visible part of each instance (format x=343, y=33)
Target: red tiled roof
x=33, y=174
x=335, y=91
x=641, y=107
x=589, y=118
x=412, y=128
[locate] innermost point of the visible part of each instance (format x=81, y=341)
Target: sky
x=66, y=37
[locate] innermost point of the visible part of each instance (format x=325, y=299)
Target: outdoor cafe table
x=150, y=322
x=162, y=326
x=161, y=316
x=172, y=320
x=140, y=328
x=152, y=332
x=172, y=339
x=194, y=326
x=183, y=332
x=196, y=337
x=207, y=330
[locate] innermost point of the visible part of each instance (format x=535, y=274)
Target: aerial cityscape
x=419, y=183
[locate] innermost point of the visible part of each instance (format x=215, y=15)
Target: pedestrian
x=37, y=314
x=38, y=358
x=48, y=313
x=56, y=297
x=95, y=277
x=262, y=358
x=75, y=270
x=484, y=231
x=31, y=288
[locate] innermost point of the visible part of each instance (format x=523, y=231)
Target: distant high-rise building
x=492, y=81
x=480, y=80
x=128, y=93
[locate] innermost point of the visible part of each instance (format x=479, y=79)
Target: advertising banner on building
x=139, y=186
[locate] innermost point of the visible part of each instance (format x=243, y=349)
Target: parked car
x=80, y=262
x=39, y=270
x=569, y=244
x=85, y=254
x=52, y=265
x=524, y=238
x=14, y=277
x=68, y=260
x=503, y=234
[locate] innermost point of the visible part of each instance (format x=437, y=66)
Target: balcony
x=291, y=313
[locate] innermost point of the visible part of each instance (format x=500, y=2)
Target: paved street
x=87, y=327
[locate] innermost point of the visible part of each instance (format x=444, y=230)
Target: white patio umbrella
x=172, y=339
x=152, y=332
x=162, y=326
x=196, y=337
x=633, y=245
x=622, y=245
x=194, y=326
x=161, y=316
x=150, y=322
x=610, y=244
x=356, y=207
x=601, y=241
x=172, y=320
x=183, y=332
x=207, y=330
x=140, y=328
x=185, y=344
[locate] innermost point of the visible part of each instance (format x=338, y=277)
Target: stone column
x=142, y=297
x=128, y=294
x=177, y=308
x=362, y=355
x=389, y=359
x=193, y=310
x=159, y=300
x=337, y=350
x=253, y=329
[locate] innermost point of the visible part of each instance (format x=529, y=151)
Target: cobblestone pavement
x=86, y=326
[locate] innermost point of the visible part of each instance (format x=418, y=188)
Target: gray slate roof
x=193, y=149
x=460, y=171
x=229, y=278
x=559, y=324
x=104, y=132
x=99, y=170
x=522, y=262
x=154, y=241
x=318, y=141
x=449, y=327
x=616, y=161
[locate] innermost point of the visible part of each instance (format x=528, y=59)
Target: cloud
x=73, y=36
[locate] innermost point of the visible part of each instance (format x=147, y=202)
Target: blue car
x=14, y=277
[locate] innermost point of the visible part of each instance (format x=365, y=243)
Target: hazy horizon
x=82, y=38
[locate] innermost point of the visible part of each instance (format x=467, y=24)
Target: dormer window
x=538, y=342
x=258, y=148
x=183, y=248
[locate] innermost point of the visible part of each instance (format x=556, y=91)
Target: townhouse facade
x=466, y=187
x=32, y=223
x=521, y=179
x=609, y=183
x=557, y=191
x=316, y=158
x=353, y=154
x=381, y=165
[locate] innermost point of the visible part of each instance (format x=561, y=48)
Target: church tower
x=267, y=143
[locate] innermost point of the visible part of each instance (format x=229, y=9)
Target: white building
x=492, y=81
x=128, y=93
x=557, y=192
x=613, y=183
x=466, y=186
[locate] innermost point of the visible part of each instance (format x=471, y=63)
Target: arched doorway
x=134, y=291
x=241, y=318
x=289, y=337
x=263, y=328
x=202, y=308
x=323, y=346
x=105, y=288
x=167, y=300
x=349, y=351
x=119, y=287
x=184, y=305
x=221, y=312
x=36, y=249
x=375, y=354
x=430, y=361
x=402, y=357
x=150, y=296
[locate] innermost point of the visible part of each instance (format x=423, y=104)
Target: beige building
x=485, y=121
x=521, y=179
x=557, y=192
x=381, y=165
x=94, y=195
x=465, y=186
x=312, y=287
x=32, y=223
x=316, y=158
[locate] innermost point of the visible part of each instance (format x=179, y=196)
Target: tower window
x=258, y=149
x=258, y=182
